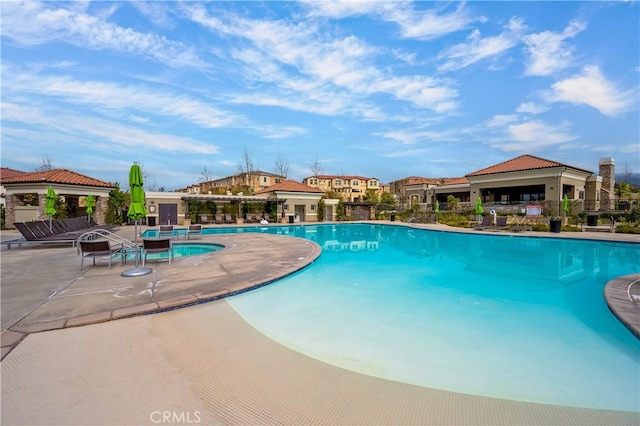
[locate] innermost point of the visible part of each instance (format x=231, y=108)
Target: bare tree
x=206, y=176
x=45, y=165
x=282, y=166
x=246, y=164
x=316, y=167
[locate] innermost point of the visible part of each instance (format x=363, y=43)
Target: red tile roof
x=289, y=186
x=524, y=162
x=62, y=176
x=456, y=181
x=6, y=172
x=344, y=177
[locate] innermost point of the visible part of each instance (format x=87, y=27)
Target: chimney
x=607, y=170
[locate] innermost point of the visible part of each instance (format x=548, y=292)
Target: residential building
x=297, y=202
x=416, y=190
x=255, y=181
x=527, y=179
x=350, y=188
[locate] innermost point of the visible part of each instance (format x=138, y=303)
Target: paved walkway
x=204, y=364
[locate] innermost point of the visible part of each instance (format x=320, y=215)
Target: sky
x=382, y=90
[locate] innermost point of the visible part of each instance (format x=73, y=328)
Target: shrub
x=628, y=228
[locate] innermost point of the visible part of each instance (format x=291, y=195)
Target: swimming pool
x=183, y=250
x=519, y=318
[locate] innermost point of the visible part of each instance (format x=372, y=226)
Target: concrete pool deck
x=141, y=369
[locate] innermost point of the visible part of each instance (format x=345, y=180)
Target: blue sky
x=376, y=89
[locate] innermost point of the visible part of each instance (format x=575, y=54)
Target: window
x=313, y=207
x=581, y=195
x=355, y=182
x=264, y=179
x=338, y=182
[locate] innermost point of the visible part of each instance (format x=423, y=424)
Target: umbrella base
x=136, y=272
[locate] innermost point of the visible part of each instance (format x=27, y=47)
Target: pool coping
x=622, y=295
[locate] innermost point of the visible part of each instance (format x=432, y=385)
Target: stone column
x=607, y=170
x=10, y=211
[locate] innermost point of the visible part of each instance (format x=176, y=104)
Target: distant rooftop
x=61, y=176
x=524, y=162
x=289, y=186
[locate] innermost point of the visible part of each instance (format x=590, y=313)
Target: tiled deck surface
x=140, y=370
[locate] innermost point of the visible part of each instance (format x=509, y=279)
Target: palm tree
x=622, y=191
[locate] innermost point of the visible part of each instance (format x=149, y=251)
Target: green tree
x=387, y=202
x=322, y=209
x=115, y=206
x=453, y=202
x=371, y=196
x=340, y=211
x=623, y=191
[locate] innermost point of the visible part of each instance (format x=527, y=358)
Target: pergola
x=74, y=187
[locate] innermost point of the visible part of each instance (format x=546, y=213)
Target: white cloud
x=593, y=89
x=104, y=135
x=119, y=97
x=532, y=108
x=338, y=9
x=534, y=135
x=501, y=120
x=429, y=24
x=548, y=51
x=32, y=23
x=302, y=58
x=479, y=48
x=413, y=23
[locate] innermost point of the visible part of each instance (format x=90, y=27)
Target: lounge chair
x=486, y=222
x=165, y=231
x=96, y=249
x=33, y=234
x=204, y=218
x=228, y=218
x=501, y=223
x=150, y=246
x=194, y=230
x=218, y=218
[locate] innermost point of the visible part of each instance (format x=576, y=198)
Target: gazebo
x=26, y=194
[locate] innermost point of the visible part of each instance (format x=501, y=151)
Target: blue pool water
x=519, y=318
x=184, y=249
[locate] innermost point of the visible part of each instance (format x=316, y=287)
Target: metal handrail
x=103, y=233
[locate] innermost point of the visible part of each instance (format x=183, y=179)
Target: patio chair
x=96, y=249
x=204, y=218
x=228, y=218
x=194, y=230
x=151, y=246
x=218, y=218
x=165, y=231
x=486, y=223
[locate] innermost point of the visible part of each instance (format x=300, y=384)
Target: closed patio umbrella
x=50, y=204
x=479, y=210
x=136, y=212
x=565, y=204
x=90, y=202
